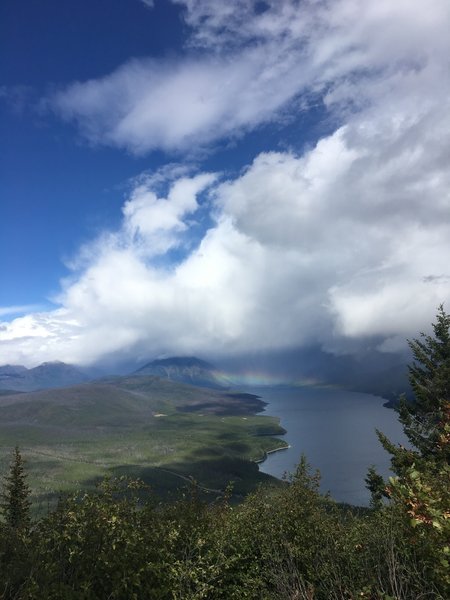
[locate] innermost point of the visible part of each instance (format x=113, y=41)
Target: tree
x=427, y=421
x=376, y=486
x=421, y=488
x=15, y=499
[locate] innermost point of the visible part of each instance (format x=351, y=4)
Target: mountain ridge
x=48, y=375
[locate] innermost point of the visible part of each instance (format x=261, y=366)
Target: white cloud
x=156, y=223
x=178, y=105
x=251, y=67
x=348, y=240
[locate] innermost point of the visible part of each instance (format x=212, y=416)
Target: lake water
x=335, y=429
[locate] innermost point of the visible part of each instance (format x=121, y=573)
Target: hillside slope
x=158, y=430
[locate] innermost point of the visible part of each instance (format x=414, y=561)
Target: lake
x=335, y=429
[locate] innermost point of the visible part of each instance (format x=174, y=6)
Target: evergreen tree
x=420, y=491
x=376, y=486
x=426, y=420
x=15, y=499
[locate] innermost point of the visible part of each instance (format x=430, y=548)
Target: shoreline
x=279, y=448
x=267, y=452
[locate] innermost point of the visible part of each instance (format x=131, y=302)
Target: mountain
x=47, y=375
x=12, y=371
x=184, y=369
x=121, y=402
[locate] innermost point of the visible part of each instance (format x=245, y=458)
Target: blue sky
x=192, y=176
x=56, y=191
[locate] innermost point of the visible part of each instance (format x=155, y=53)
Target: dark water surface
x=335, y=429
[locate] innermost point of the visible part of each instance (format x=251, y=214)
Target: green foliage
x=99, y=545
x=15, y=499
x=376, y=486
x=279, y=543
x=423, y=497
x=14, y=530
x=427, y=420
x=420, y=492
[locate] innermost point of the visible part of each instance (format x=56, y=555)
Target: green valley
x=160, y=431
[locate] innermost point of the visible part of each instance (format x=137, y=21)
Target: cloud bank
x=349, y=240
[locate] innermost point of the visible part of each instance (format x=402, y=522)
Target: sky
x=216, y=178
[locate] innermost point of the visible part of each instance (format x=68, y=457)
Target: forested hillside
x=157, y=430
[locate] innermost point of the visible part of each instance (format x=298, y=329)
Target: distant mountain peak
x=55, y=365
x=184, y=369
x=51, y=363
x=179, y=361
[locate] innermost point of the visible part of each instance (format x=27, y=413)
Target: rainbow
x=261, y=379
